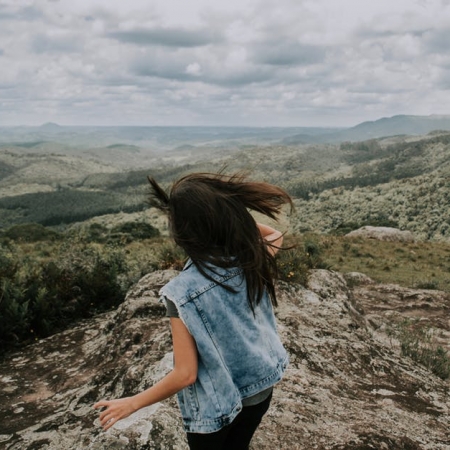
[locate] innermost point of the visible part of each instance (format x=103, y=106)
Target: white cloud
x=255, y=62
x=194, y=69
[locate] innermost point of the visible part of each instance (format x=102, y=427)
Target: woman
x=227, y=353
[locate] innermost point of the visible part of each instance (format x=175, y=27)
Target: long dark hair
x=209, y=218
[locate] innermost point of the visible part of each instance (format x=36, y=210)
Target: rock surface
x=347, y=386
x=382, y=234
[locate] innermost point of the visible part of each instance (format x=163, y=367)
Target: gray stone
x=382, y=234
x=357, y=278
x=347, y=386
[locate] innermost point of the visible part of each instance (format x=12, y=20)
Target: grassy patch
x=422, y=265
x=418, y=343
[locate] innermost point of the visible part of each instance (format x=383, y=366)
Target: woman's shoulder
x=182, y=286
x=177, y=287
x=191, y=282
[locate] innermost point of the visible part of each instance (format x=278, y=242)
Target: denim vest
x=239, y=353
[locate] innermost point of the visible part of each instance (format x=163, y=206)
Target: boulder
x=357, y=279
x=382, y=234
x=347, y=386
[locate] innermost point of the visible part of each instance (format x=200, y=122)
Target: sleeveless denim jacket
x=239, y=353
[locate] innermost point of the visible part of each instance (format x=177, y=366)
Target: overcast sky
x=227, y=62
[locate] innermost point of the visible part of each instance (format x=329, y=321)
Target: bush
x=169, y=256
x=345, y=228
x=8, y=264
x=14, y=313
x=123, y=233
x=427, y=284
x=130, y=231
x=96, y=232
x=40, y=298
x=294, y=264
x=30, y=232
x=378, y=220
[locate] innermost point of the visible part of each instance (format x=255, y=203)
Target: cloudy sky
x=227, y=62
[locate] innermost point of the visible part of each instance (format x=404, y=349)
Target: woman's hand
x=273, y=238
x=183, y=374
x=115, y=410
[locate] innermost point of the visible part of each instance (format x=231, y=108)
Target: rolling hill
x=400, y=180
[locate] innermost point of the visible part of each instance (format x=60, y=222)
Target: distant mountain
x=386, y=126
x=51, y=127
x=402, y=124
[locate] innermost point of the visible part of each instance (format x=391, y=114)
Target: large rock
x=347, y=386
x=382, y=234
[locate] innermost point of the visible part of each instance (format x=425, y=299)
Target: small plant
x=313, y=254
x=294, y=264
x=169, y=256
x=95, y=232
x=344, y=228
x=419, y=344
x=427, y=284
x=292, y=267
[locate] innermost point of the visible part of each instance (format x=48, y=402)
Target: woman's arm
x=272, y=237
x=183, y=374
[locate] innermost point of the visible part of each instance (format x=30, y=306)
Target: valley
x=401, y=181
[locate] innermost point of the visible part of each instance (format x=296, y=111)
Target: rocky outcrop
x=347, y=386
x=382, y=234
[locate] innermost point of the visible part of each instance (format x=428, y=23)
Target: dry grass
x=419, y=264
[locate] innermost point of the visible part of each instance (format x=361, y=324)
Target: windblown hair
x=209, y=218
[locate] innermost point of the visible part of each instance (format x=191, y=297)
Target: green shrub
x=30, y=232
x=345, y=227
x=14, y=312
x=378, y=220
x=168, y=255
x=8, y=263
x=291, y=266
x=123, y=233
x=130, y=231
x=294, y=264
x=96, y=232
x=39, y=298
x=427, y=284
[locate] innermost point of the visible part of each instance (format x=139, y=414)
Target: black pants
x=237, y=435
